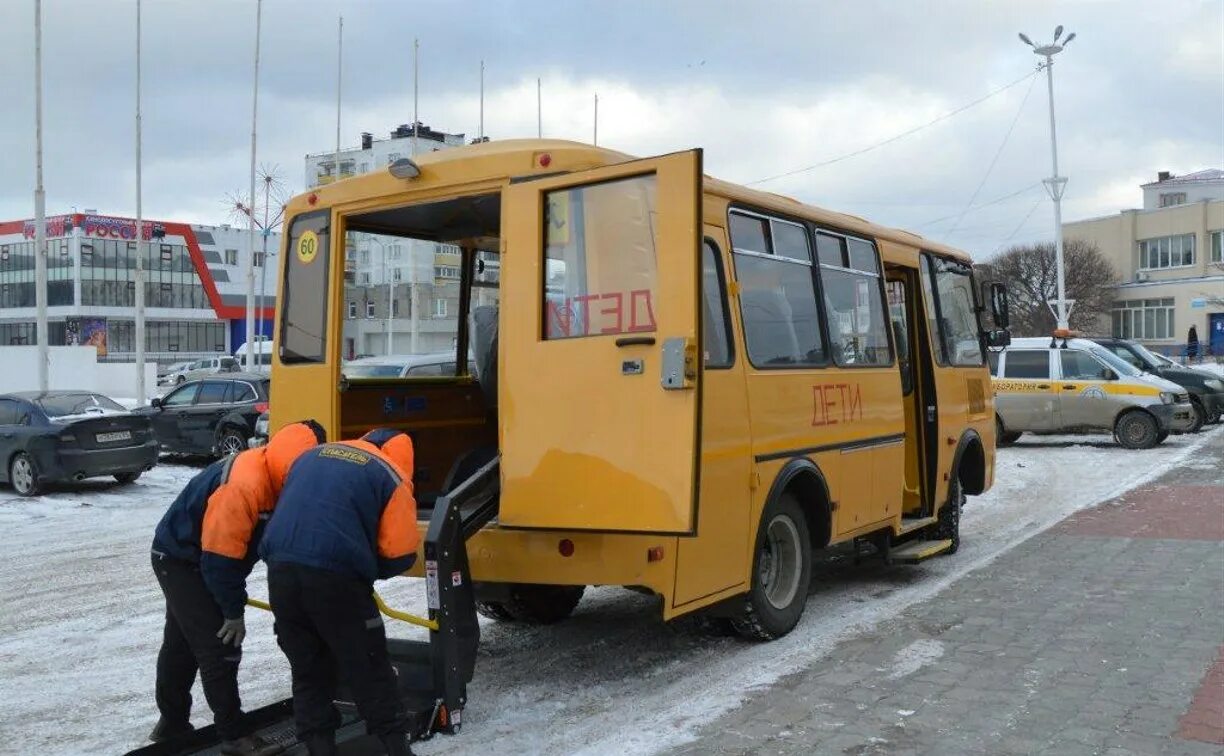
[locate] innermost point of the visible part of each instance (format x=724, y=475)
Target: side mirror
x=998, y=339
x=997, y=294
x=155, y=402
x=1109, y=374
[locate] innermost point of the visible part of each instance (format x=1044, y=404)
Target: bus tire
x=947, y=526
x=1137, y=429
x=534, y=604
x=1004, y=437
x=781, y=573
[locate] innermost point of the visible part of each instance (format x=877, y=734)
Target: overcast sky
x=765, y=87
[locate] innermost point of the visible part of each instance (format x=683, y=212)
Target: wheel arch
x=804, y=478
x=1134, y=408
x=969, y=462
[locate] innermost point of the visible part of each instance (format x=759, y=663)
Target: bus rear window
x=304, y=293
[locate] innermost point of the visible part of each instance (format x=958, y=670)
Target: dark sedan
x=61, y=436
x=1206, y=389
x=213, y=416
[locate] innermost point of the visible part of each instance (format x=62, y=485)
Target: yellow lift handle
x=411, y=619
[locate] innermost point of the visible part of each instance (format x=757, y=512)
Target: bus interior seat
x=484, y=350
x=767, y=322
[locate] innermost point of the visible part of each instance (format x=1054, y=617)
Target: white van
x=1047, y=385
x=263, y=356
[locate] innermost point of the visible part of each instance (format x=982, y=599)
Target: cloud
x=764, y=90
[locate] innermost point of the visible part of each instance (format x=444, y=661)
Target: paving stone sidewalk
x=1103, y=635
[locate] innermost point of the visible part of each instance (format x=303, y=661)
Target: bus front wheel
x=781, y=574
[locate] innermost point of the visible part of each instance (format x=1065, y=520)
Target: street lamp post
x=1056, y=183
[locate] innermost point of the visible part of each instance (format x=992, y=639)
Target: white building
x=415, y=282
x=1169, y=190
x=1169, y=256
x=195, y=285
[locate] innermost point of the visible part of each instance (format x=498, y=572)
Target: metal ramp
x=432, y=675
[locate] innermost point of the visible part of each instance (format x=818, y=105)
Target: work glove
x=232, y=631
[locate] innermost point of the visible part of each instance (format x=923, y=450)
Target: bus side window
x=854, y=309
x=777, y=292
x=715, y=331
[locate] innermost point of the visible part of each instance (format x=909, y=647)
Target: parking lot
x=81, y=619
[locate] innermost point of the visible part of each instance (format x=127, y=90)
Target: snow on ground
x=81, y=616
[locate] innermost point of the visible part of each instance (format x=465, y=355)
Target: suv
x=214, y=416
x=1206, y=389
x=1047, y=385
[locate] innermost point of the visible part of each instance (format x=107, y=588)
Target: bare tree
x=1031, y=278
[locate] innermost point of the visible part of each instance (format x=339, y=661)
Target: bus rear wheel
x=781, y=574
x=533, y=604
x=947, y=526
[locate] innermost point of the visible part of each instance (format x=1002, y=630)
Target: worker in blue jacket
x=203, y=550
x=345, y=518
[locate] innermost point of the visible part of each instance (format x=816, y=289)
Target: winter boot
x=396, y=744
x=249, y=745
x=321, y=744
x=165, y=730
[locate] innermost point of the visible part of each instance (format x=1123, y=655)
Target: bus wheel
x=534, y=604
x=781, y=574
x=1137, y=430
x=948, y=524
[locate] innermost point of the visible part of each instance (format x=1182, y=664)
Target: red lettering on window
x=585, y=299
x=617, y=310
x=558, y=319
x=634, y=325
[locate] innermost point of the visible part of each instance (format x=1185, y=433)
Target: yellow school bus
x=688, y=386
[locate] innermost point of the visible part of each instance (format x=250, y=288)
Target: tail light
x=261, y=407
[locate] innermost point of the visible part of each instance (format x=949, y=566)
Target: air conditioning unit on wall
x=1141, y=275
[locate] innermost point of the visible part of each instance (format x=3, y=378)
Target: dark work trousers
x=330, y=629
x=190, y=643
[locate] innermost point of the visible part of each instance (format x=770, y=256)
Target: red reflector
x=654, y=554
x=313, y=198
x=566, y=547
x=545, y=160
x=261, y=407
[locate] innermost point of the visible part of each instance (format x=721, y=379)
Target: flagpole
x=139, y=332
x=416, y=118
x=339, y=84
x=250, y=267
x=40, y=212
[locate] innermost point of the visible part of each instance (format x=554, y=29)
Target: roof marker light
x=545, y=160
x=404, y=168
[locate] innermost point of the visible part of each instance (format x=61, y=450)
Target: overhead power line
x=994, y=201
x=902, y=135
x=995, y=159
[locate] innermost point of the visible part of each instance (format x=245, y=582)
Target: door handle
x=1043, y=385
x=1069, y=385
x=625, y=341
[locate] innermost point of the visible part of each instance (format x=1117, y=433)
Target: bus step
x=916, y=551
x=910, y=524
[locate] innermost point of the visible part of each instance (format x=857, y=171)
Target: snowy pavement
x=81, y=615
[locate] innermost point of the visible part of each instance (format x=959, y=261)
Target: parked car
x=174, y=368
x=213, y=416
x=402, y=366
x=1045, y=385
x=61, y=436
x=1206, y=389
x=202, y=368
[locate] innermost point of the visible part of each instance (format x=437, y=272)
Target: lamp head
x=1024, y=38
